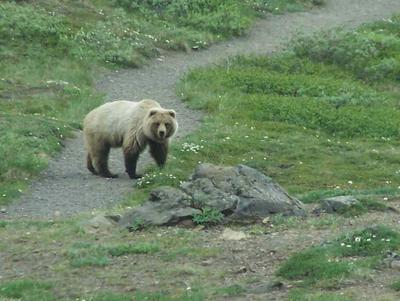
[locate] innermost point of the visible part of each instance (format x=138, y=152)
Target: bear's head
x=160, y=124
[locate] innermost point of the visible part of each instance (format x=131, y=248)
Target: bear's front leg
x=159, y=152
x=131, y=157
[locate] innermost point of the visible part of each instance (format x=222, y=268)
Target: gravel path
x=67, y=188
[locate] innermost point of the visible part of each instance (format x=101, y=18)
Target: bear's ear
x=172, y=113
x=152, y=112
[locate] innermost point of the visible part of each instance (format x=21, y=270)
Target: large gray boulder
x=241, y=193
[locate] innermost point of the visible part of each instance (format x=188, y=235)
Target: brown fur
x=130, y=125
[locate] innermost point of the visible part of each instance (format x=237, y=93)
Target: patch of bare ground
x=186, y=258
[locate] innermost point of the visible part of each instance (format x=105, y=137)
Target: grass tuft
x=371, y=241
x=27, y=290
x=303, y=295
x=140, y=248
x=336, y=260
x=208, y=216
x=395, y=285
x=313, y=265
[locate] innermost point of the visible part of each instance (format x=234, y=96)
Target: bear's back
x=114, y=119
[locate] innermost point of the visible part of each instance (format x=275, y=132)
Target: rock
x=240, y=193
x=166, y=206
x=263, y=288
x=241, y=270
x=395, y=264
x=392, y=260
x=229, y=234
x=98, y=224
x=116, y=218
x=187, y=223
x=266, y=220
x=205, y=194
x=335, y=204
x=241, y=190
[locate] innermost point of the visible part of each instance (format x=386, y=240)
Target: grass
x=302, y=295
x=26, y=290
x=232, y=290
x=331, y=263
x=318, y=126
x=50, y=58
x=88, y=254
x=313, y=265
x=372, y=241
x=29, y=290
x=124, y=249
x=81, y=255
x=313, y=124
x=76, y=256
x=395, y=285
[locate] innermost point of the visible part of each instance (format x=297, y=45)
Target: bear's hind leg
x=100, y=162
x=89, y=164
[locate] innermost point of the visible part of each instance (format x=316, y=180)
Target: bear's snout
x=162, y=131
x=161, y=134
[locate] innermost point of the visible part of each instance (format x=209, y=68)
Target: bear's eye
x=167, y=125
x=157, y=124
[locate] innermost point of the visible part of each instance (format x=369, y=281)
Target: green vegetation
x=336, y=260
x=302, y=295
x=232, y=290
x=321, y=119
x=50, y=52
x=369, y=52
x=312, y=123
x=114, y=257
x=208, y=216
x=372, y=241
x=396, y=285
x=143, y=248
x=26, y=290
x=313, y=265
x=364, y=206
x=87, y=254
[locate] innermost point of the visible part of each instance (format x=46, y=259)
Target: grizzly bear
x=132, y=126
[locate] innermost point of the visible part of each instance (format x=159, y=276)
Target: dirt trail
x=67, y=188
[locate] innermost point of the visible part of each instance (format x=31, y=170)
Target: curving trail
x=67, y=188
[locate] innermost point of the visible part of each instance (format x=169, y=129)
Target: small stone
x=199, y=228
x=187, y=223
x=98, y=224
x=57, y=213
x=241, y=270
x=206, y=262
x=395, y=264
x=116, y=218
x=3, y=210
x=263, y=288
x=230, y=234
x=266, y=220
